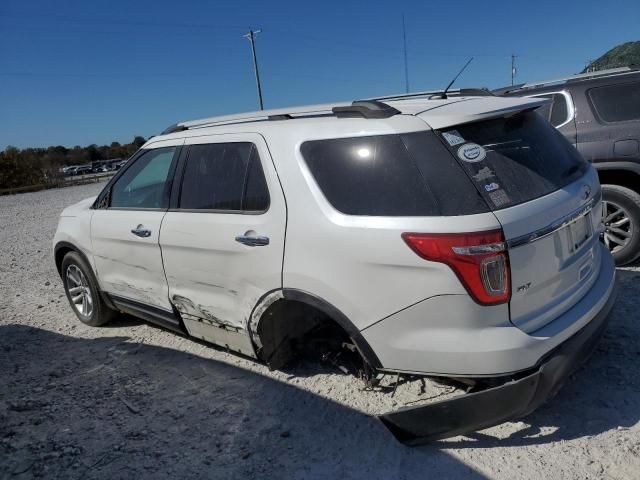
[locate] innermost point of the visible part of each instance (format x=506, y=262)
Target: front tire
x=621, y=215
x=82, y=291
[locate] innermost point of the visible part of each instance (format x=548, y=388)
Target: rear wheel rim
x=79, y=291
x=618, y=229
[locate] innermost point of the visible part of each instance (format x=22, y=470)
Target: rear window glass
x=516, y=159
x=545, y=110
x=617, y=103
x=391, y=175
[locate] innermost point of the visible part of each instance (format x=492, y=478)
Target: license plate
x=579, y=232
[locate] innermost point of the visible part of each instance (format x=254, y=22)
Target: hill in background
x=620, y=56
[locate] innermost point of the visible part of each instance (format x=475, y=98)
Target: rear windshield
x=516, y=159
x=391, y=175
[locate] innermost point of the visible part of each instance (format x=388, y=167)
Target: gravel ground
x=131, y=399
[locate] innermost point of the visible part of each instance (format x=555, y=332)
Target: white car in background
x=438, y=234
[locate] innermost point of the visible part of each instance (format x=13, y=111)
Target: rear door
x=545, y=196
x=223, y=240
x=616, y=109
x=126, y=229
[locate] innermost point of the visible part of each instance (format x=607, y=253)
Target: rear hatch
x=547, y=199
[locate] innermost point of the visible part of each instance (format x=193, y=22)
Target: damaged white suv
x=438, y=234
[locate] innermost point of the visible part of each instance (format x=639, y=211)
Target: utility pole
x=406, y=66
x=588, y=68
x=251, y=35
x=513, y=68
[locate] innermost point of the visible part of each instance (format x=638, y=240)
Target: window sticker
x=485, y=173
x=453, y=137
x=499, y=198
x=490, y=187
x=472, y=153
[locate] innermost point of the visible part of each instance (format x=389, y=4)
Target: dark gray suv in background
x=599, y=112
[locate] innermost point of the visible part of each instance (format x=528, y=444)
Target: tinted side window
x=145, y=183
x=617, y=103
x=224, y=176
x=559, y=110
x=385, y=175
x=368, y=176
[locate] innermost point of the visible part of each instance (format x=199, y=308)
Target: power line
x=251, y=35
x=64, y=18
x=299, y=35
x=327, y=41
x=108, y=75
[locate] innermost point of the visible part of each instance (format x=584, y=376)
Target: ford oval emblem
x=586, y=191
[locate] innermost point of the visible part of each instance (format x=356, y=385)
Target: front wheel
x=82, y=291
x=621, y=215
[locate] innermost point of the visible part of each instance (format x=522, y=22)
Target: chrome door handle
x=252, y=240
x=140, y=231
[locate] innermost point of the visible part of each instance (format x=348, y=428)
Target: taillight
x=480, y=260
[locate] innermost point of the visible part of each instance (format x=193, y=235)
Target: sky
x=77, y=72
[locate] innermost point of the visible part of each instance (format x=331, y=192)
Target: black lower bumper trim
x=516, y=398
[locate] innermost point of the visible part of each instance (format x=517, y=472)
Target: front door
x=125, y=233
x=223, y=244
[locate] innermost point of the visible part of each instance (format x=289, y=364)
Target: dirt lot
x=132, y=400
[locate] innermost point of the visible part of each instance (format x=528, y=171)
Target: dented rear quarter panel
x=358, y=264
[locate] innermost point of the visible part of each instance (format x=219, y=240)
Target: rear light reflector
x=479, y=259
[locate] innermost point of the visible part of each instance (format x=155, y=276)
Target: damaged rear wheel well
x=297, y=324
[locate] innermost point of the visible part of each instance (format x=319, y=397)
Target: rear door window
x=616, y=103
x=224, y=177
x=391, y=175
x=516, y=159
x=559, y=110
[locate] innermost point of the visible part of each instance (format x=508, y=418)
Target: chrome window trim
x=555, y=226
x=571, y=109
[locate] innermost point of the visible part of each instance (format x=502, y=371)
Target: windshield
x=516, y=159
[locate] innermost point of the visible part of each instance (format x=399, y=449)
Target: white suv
x=442, y=234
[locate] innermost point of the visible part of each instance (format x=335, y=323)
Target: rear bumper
x=451, y=335
x=513, y=399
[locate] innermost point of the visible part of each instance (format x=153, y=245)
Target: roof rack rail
x=510, y=88
x=361, y=108
x=176, y=127
x=366, y=109
x=282, y=116
x=247, y=117
x=572, y=78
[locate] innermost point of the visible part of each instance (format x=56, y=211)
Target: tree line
x=37, y=166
